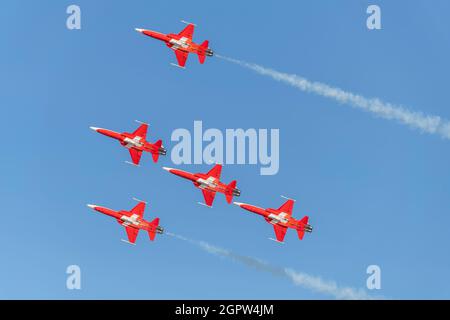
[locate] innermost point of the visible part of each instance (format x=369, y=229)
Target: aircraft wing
x=209, y=197
x=139, y=209
x=181, y=57
x=287, y=207
x=215, y=172
x=141, y=131
x=132, y=234
x=135, y=155
x=187, y=32
x=280, y=232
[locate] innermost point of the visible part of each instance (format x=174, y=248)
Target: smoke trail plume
x=301, y=279
x=426, y=123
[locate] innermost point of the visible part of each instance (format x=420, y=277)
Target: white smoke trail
x=426, y=123
x=301, y=279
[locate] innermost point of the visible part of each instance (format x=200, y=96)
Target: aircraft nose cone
x=92, y=206
x=139, y=30
x=167, y=169
x=238, y=203
x=94, y=128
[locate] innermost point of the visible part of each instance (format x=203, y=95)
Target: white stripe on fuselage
x=211, y=182
x=277, y=218
x=135, y=142
x=181, y=43
x=133, y=219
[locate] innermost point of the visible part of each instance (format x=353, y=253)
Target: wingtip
x=132, y=163
x=276, y=240
x=187, y=22
x=128, y=242
x=141, y=122
x=177, y=65
x=287, y=198
x=139, y=200
x=205, y=205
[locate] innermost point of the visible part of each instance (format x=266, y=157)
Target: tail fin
x=229, y=197
x=229, y=192
x=301, y=224
x=201, y=53
x=151, y=232
x=155, y=155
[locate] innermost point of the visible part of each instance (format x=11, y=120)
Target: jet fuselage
x=177, y=42
x=127, y=219
x=273, y=216
x=203, y=181
x=131, y=142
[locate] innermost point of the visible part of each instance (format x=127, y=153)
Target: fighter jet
x=132, y=220
x=209, y=183
x=182, y=44
x=135, y=142
x=281, y=219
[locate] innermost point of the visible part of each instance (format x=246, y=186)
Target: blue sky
x=376, y=191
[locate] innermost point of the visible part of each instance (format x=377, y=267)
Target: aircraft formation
x=209, y=183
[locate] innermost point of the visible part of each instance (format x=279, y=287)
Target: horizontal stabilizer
x=202, y=52
x=229, y=197
x=301, y=225
x=152, y=233
x=201, y=58
x=155, y=155
x=230, y=192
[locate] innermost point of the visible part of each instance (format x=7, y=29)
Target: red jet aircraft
x=182, y=44
x=135, y=142
x=281, y=219
x=132, y=220
x=209, y=183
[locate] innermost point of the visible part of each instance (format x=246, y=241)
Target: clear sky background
x=376, y=191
